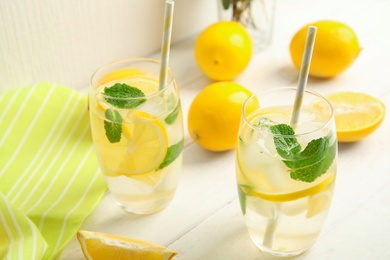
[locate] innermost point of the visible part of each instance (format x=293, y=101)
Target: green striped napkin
x=49, y=175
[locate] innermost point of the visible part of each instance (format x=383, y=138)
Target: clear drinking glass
x=285, y=176
x=137, y=131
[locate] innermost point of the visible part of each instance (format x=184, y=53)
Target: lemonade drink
x=286, y=179
x=137, y=131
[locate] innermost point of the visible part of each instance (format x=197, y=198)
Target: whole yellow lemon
x=223, y=50
x=336, y=47
x=214, y=115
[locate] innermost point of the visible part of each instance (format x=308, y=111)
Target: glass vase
x=257, y=16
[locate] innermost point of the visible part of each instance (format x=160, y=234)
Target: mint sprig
x=113, y=125
x=172, y=153
x=286, y=147
x=306, y=165
x=122, y=96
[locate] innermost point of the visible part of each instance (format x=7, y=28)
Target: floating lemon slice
x=119, y=74
x=284, y=197
x=147, y=143
x=318, y=203
x=96, y=246
x=141, y=150
x=357, y=115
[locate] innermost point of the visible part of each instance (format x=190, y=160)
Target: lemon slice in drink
x=290, y=196
x=318, y=203
x=147, y=143
x=357, y=115
x=96, y=246
x=119, y=75
x=141, y=150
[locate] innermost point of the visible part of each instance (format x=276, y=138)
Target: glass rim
x=170, y=78
x=278, y=89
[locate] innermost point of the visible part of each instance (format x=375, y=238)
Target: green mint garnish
x=172, y=153
x=173, y=115
x=113, y=125
x=120, y=92
x=306, y=165
x=286, y=147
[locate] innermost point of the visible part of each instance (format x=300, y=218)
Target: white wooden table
x=204, y=219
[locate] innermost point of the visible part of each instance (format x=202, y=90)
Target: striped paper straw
x=166, y=42
x=303, y=74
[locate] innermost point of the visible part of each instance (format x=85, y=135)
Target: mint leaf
x=313, y=161
x=306, y=165
x=286, y=147
x=172, y=153
x=122, y=94
x=113, y=125
x=172, y=116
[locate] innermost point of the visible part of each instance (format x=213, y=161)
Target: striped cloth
x=49, y=176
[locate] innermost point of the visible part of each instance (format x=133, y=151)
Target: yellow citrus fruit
x=284, y=197
x=141, y=150
x=214, y=115
x=335, y=49
x=119, y=74
x=147, y=143
x=318, y=203
x=357, y=115
x=223, y=50
x=96, y=246
x=143, y=144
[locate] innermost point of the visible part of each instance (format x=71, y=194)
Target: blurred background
x=65, y=41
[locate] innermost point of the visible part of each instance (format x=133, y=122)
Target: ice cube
x=264, y=138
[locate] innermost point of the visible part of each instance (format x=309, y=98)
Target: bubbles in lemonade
x=283, y=215
x=142, y=168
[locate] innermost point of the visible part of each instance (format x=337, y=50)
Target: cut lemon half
x=357, y=115
x=284, y=197
x=147, y=143
x=96, y=246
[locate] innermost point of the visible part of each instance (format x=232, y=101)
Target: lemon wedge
x=96, y=246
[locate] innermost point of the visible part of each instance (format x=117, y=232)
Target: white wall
x=64, y=41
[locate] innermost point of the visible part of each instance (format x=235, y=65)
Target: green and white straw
x=302, y=82
x=303, y=74
x=166, y=42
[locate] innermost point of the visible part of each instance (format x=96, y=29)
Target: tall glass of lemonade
x=285, y=175
x=137, y=131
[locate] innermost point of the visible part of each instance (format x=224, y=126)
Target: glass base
x=142, y=211
x=273, y=252
x=145, y=206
